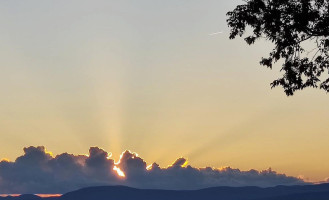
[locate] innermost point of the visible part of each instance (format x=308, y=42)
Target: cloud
x=38, y=171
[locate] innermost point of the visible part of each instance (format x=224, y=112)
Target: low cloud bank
x=37, y=171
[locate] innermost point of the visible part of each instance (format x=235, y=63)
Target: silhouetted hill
x=23, y=197
x=305, y=192
x=223, y=193
x=302, y=196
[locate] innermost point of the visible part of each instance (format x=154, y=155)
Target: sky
x=149, y=76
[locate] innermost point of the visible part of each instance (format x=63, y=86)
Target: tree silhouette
x=288, y=24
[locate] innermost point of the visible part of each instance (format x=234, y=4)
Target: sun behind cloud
x=38, y=171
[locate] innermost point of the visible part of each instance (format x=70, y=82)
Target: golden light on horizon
x=9, y=195
x=40, y=195
x=48, y=195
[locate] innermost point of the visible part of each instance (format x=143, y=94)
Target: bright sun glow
x=118, y=162
x=185, y=164
x=121, y=155
x=4, y=160
x=109, y=155
x=49, y=152
x=119, y=171
x=149, y=167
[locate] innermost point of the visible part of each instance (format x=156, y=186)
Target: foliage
x=288, y=24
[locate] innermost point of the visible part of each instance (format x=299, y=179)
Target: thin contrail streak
x=216, y=33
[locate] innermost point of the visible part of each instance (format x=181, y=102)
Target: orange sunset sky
x=151, y=77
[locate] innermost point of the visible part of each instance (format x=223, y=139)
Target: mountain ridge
x=120, y=192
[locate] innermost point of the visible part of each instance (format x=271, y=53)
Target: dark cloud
x=98, y=165
x=38, y=171
x=132, y=165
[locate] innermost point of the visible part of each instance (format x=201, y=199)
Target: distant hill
x=305, y=192
x=24, y=197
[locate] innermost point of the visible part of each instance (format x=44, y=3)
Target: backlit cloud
x=38, y=171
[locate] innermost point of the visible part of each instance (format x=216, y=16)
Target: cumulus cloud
x=38, y=171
